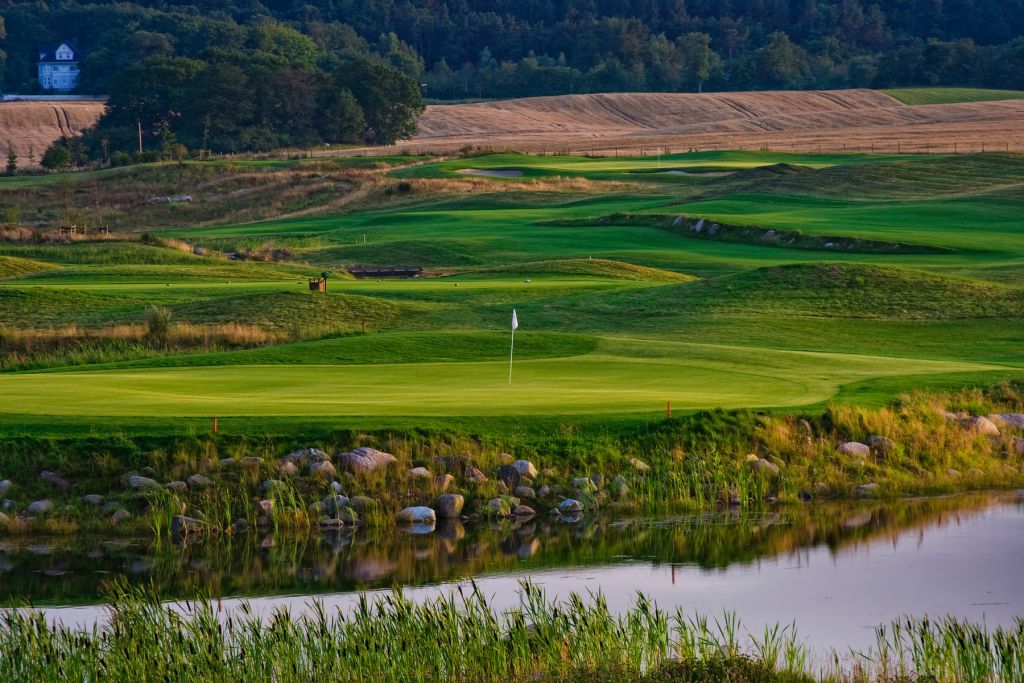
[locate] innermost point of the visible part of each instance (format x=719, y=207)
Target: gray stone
x=509, y=476
x=120, y=516
x=337, y=488
x=332, y=505
x=198, y=481
x=54, y=479
x=269, y=485
x=1014, y=419
x=304, y=456
x=524, y=492
x=449, y=505
x=498, y=507
x=865, y=490
x=584, y=484
x=5, y=486
x=288, y=469
x=443, y=482
x=523, y=511
x=765, y=467
x=855, y=449
x=982, y=425
x=177, y=486
x=266, y=506
x=366, y=460
x=39, y=507
x=525, y=468
x=419, y=514
x=251, y=461
x=420, y=473
x=93, y=499
x=639, y=465
x=110, y=506
x=362, y=504
x=474, y=475
x=570, y=505
x=137, y=482
x=322, y=469
x=544, y=491
x=880, y=445
x=226, y=462
x=183, y=526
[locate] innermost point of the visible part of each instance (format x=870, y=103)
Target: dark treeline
x=227, y=74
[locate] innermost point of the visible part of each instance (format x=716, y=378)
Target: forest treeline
x=226, y=74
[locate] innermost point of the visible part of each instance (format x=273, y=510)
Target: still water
x=837, y=571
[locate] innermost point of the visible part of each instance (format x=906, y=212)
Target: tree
x=57, y=156
x=698, y=58
x=341, y=117
x=390, y=100
x=12, y=159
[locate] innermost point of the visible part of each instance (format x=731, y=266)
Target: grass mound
x=590, y=267
x=14, y=266
x=106, y=252
x=915, y=96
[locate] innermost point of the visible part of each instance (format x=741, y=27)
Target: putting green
x=621, y=376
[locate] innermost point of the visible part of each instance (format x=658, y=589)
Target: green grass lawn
x=951, y=95
x=616, y=320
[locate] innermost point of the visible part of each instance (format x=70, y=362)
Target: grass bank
x=462, y=638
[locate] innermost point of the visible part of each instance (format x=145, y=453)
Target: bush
x=120, y=158
x=158, y=324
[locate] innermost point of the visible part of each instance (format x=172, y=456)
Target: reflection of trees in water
x=69, y=570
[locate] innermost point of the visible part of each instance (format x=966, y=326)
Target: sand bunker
x=491, y=173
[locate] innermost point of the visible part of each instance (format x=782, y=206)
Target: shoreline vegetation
x=924, y=443
x=463, y=638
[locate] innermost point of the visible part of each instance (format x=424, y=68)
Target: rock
x=619, y=487
x=110, y=507
x=449, y=505
x=250, y=462
x=1018, y=444
x=332, y=505
x=865, y=490
x=5, y=486
x=420, y=473
x=137, y=482
x=443, y=482
x=304, y=456
x=177, y=486
x=266, y=506
x=120, y=516
x=805, y=427
x=639, y=465
x=855, y=449
x=362, y=504
x=820, y=488
x=337, y=488
x=269, y=485
x=584, y=483
x=54, y=479
x=323, y=469
x=198, y=481
x=39, y=507
x=881, y=446
x=452, y=464
x=1014, y=419
x=498, y=507
x=524, y=492
x=765, y=467
x=474, y=475
x=525, y=468
x=94, y=499
x=805, y=496
x=523, y=511
x=975, y=472
x=509, y=476
x=183, y=526
x=417, y=515
x=544, y=491
x=570, y=506
x=366, y=460
x=226, y=462
x=331, y=523
x=982, y=425
x=288, y=469
x=597, y=480
x=505, y=458
x=239, y=526
x=952, y=472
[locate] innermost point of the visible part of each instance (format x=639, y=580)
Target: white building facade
x=58, y=67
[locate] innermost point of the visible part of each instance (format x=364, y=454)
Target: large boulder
x=1014, y=419
x=449, y=505
x=523, y=511
x=525, y=468
x=981, y=425
x=332, y=505
x=366, y=459
x=524, y=492
x=570, y=506
x=304, y=456
x=855, y=449
x=39, y=507
x=765, y=467
x=1018, y=444
x=509, y=476
x=419, y=514
x=198, y=481
x=138, y=483
x=55, y=480
x=498, y=507
x=881, y=446
x=323, y=469
x=183, y=526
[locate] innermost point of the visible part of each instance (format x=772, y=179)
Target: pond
x=836, y=570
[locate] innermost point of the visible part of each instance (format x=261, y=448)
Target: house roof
x=48, y=53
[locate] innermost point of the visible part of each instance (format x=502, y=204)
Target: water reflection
x=73, y=570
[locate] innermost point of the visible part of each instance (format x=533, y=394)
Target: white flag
x=515, y=320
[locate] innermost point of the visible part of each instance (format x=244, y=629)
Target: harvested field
x=628, y=123
x=31, y=127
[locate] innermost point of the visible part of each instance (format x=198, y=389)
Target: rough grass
x=13, y=266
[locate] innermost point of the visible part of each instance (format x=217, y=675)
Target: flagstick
x=510, y=352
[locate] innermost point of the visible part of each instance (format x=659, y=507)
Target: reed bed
x=461, y=637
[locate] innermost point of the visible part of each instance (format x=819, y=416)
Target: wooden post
x=214, y=425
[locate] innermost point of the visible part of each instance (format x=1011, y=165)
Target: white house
x=58, y=66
